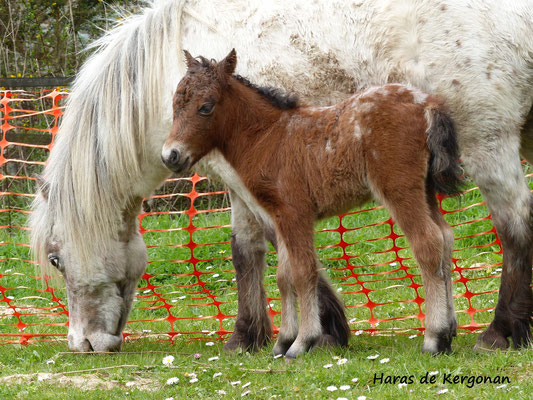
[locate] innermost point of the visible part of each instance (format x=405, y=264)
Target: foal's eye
x=206, y=109
x=54, y=260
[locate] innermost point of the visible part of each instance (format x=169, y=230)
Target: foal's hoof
x=438, y=344
x=491, y=340
x=282, y=346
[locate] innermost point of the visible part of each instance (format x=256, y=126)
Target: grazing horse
x=476, y=55
x=302, y=163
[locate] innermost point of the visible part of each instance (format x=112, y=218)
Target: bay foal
x=296, y=164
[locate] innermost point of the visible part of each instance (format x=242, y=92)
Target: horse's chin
x=103, y=342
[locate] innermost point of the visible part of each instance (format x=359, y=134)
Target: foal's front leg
x=296, y=237
x=289, y=316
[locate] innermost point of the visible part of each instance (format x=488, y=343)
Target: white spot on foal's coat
x=419, y=97
x=328, y=146
x=365, y=107
x=356, y=130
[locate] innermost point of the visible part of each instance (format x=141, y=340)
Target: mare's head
x=100, y=279
x=199, y=111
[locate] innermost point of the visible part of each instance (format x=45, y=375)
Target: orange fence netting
x=189, y=287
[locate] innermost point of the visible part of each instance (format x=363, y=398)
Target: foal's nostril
x=173, y=157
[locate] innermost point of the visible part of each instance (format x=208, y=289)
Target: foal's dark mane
x=277, y=97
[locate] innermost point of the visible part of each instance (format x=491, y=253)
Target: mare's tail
x=444, y=173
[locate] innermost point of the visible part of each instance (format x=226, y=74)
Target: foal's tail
x=444, y=173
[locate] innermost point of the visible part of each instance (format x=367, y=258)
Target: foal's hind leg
x=253, y=328
x=412, y=213
x=446, y=264
x=499, y=175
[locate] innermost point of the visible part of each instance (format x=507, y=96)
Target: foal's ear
x=190, y=60
x=228, y=64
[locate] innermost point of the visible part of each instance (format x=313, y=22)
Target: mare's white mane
x=101, y=147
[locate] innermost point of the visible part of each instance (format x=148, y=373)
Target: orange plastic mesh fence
x=189, y=287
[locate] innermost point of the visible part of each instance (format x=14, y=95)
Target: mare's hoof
x=327, y=340
x=491, y=340
x=241, y=342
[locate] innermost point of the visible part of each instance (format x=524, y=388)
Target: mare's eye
x=54, y=260
x=206, y=109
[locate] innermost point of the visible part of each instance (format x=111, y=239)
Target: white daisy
x=173, y=380
x=168, y=360
x=43, y=377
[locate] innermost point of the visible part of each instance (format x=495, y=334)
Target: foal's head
x=199, y=109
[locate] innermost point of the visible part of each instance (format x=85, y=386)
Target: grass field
x=43, y=371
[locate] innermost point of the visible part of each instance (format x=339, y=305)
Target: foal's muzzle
x=174, y=160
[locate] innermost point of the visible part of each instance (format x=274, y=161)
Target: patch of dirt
x=84, y=382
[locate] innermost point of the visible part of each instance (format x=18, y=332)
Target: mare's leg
x=526, y=139
x=497, y=171
x=253, y=328
x=447, y=252
x=289, y=316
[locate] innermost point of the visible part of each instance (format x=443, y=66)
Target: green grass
x=304, y=378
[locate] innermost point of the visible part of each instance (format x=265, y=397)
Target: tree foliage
x=47, y=37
